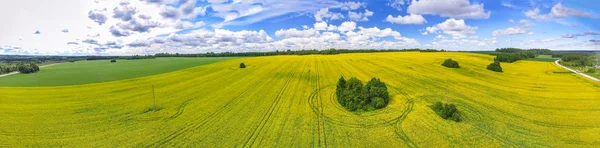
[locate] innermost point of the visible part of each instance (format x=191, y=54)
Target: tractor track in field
x=322, y=134
x=398, y=125
x=316, y=104
x=201, y=122
x=252, y=139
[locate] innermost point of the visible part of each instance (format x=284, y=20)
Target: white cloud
x=557, y=11
x=397, y=4
x=290, y=33
x=511, y=21
x=510, y=31
x=360, y=16
x=332, y=28
x=320, y=25
x=453, y=27
x=409, y=19
x=521, y=28
x=351, y=5
x=376, y=32
x=324, y=13
x=581, y=34
x=460, y=9
x=347, y=26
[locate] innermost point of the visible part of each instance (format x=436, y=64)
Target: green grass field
x=543, y=58
x=83, y=72
x=289, y=101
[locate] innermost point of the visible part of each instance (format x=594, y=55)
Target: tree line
x=578, y=59
x=290, y=52
x=355, y=96
x=20, y=67
x=510, y=55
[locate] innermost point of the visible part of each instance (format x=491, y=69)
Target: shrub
x=592, y=70
x=450, y=63
x=113, y=61
x=495, y=67
x=242, y=65
x=446, y=111
x=355, y=96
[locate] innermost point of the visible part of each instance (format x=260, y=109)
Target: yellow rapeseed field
x=289, y=101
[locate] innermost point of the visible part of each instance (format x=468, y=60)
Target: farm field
x=83, y=72
x=289, y=101
x=543, y=58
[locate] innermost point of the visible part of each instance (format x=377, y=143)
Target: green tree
x=355, y=96
x=450, y=63
x=495, y=66
x=242, y=65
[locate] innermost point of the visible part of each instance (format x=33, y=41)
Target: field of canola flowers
x=289, y=101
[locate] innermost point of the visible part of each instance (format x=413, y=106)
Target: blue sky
x=127, y=27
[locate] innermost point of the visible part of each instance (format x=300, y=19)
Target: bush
x=355, y=96
x=450, y=63
x=113, y=61
x=592, y=70
x=495, y=67
x=446, y=111
x=242, y=65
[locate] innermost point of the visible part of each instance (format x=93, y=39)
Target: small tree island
x=355, y=96
x=450, y=63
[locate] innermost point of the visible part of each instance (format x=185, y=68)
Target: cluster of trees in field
x=7, y=68
x=242, y=65
x=450, y=63
x=514, y=54
x=495, y=66
x=446, y=111
x=355, y=96
x=20, y=67
x=27, y=68
x=290, y=52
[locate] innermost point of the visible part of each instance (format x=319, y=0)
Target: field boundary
x=577, y=72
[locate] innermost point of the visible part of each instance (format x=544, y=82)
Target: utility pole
x=153, y=97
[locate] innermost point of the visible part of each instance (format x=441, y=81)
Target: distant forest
x=8, y=63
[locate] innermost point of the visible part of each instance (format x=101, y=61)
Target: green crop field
x=84, y=72
x=289, y=101
x=543, y=58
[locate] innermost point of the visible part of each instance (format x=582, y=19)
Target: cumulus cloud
x=521, y=28
x=124, y=12
x=581, y=34
x=354, y=16
x=397, y=4
x=324, y=14
x=347, y=26
x=557, y=11
x=454, y=28
x=290, y=33
x=511, y=31
x=460, y=9
x=408, y=19
x=351, y=5
x=169, y=12
x=320, y=25
x=97, y=16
